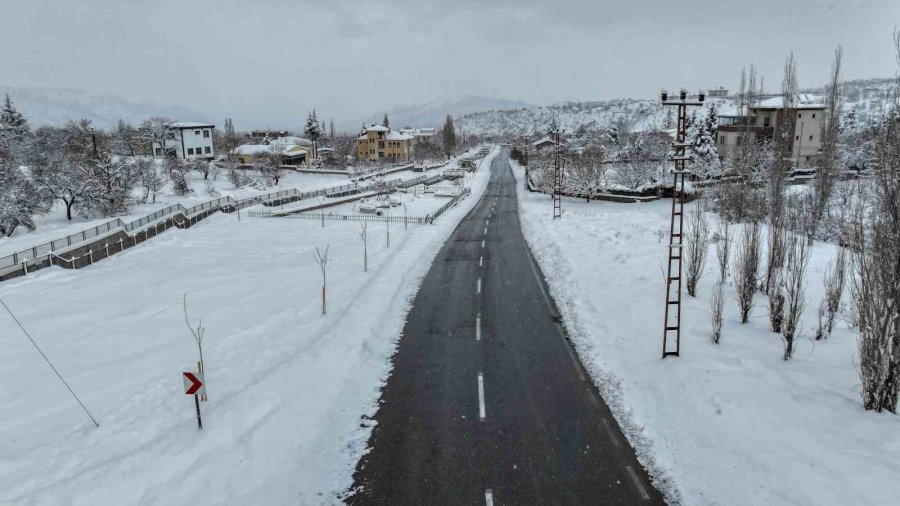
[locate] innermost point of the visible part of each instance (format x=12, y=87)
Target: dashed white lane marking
x=482, y=243
x=489, y=497
x=485, y=230
x=612, y=435
x=637, y=483
x=481, y=413
x=481, y=261
x=478, y=327
x=478, y=286
x=488, y=221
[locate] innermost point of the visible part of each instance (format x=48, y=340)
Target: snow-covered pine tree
x=312, y=131
x=448, y=135
x=13, y=128
x=19, y=200
x=705, y=161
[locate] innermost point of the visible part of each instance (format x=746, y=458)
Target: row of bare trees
x=862, y=217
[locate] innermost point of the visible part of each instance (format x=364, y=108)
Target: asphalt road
x=487, y=402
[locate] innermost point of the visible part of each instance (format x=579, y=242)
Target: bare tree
x=156, y=131
x=835, y=275
x=178, y=174
x=776, y=252
x=798, y=252
x=776, y=302
x=198, y=333
x=723, y=248
x=364, y=235
x=717, y=305
x=746, y=268
x=827, y=164
x=322, y=259
x=876, y=267
x=695, y=248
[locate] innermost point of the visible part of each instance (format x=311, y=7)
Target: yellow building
x=381, y=143
x=291, y=154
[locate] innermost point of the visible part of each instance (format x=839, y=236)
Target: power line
x=38, y=348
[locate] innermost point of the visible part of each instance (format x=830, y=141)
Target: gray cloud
x=275, y=59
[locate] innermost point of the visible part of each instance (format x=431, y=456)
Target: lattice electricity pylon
x=672, y=323
x=557, y=177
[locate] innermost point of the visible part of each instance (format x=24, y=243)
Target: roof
x=804, y=101
x=378, y=128
x=190, y=124
x=256, y=149
x=291, y=140
x=545, y=140
x=397, y=136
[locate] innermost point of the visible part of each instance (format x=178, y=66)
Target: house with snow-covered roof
x=291, y=154
x=762, y=122
x=188, y=141
x=378, y=143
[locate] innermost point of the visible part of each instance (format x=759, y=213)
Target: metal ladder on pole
x=557, y=180
x=672, y=325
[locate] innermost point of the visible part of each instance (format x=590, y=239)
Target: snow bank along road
x=487, y=402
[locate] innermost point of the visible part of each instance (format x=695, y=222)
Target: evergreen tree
x=12, y=120
x=554, y=125
x=312, y=130
x=449, y=136
x=701, y=134
x=331, y=128
x=385, y=123
x=13, y=129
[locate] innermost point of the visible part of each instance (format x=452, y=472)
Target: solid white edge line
x=489, y=497
x=637, y=483
x=481, y=413
x=478, y=327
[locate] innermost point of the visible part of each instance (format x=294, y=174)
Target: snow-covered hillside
x=433, y=114
x=863, y=96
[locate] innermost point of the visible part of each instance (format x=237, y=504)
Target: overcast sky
x=352, y=59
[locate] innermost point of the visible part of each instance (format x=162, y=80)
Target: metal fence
x=416, y=220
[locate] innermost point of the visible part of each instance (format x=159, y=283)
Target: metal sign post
x=194, y=385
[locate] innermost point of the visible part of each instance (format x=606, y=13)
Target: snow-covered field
x=287, y=386
x=54, y=224
x=721, y=424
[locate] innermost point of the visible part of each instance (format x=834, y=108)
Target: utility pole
x=672, y=323
x=527, y=167
x=94, y=139
x=557, y=176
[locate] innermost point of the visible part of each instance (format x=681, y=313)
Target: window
x=206, y=134
x=814, y=115
x=206, y=150
x=799, y=116
x=190, y=151
x=810, y=137
x=157, y=151
x=766, y=121
x=196, y=132
x=797, y=138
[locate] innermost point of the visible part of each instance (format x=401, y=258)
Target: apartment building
x=378, y=143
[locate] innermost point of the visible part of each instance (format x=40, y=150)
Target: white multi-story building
x=189, y=141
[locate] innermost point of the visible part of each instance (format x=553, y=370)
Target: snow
x=288, y=387
x=54, y=225
x=191, y=124
x=396, y=136
x=378, y=128
x=726, y=424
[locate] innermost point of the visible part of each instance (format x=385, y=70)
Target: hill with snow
x=863, y=96
x=433, y=114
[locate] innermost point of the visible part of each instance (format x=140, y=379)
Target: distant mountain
x=55, y=106
x=435, y=112
x=863, y=96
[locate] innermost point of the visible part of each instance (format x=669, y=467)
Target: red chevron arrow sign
x=193, y=383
